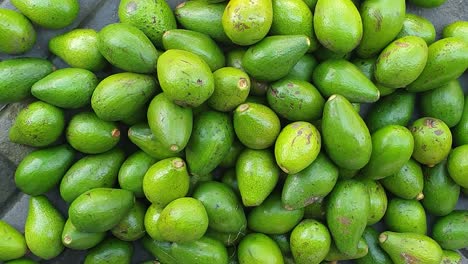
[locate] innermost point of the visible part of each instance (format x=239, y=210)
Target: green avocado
x=133, y=170
x=451, y=257
x=304, y=68
x=460, y=132
x=131, y=227
x=428, y=3
x=376, y=254
x=457, y=165
x=257, y=248
x=315, y=210
x=230, y=159
x=111, y=250
x=151, y=221
x=21, y=73
x=377, y=201
x=12, y=242
x=310, y=242
x=456, y=29
x=51, y=14
x=21, y=261
x=90, y=172
x=17, y=33
x=41, y=170
x=415, y=25
x=232, y=86
x=77, y=240
x=405, y=216
x=335, y=254
x=234, y=57
x=141, y=135
x=407, y=183
x=451, y=231
x=283, y=242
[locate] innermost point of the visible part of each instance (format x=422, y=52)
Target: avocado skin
x=450, y=231
x=18, y=34
x=74, y=239
x=460, y=132
x=376, y=254
x=133, y=170
x=258, y=248
x=407, y=183
x=111, y=250
x=140, y=134
x=51, y=14
x=405, y=216
x=13, y=244
x=415, y=25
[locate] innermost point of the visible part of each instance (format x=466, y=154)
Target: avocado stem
x=420, y=196
x=383, y=237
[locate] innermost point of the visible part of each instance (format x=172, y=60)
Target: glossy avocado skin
x=131, y=227
x=13, y=244
x=460, y=132
x=378, y=201
x=259, y=248
x=78, y=240
x=376, y=254
x=456, y=29
x=406, y=216
x=232, y=87
x=310, y=242
x=450, y=231
x=415, y=25
x=133, y=170
x=111, y=250
x=140, y=134
x=407, y=183
x=336, y=255
x=18, y=34
x=52, y=14
x=457, y=165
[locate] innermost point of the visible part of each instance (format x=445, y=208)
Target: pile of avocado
x=239, y=138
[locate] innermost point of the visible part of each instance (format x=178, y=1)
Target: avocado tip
x=243, y=107
x=178, y=163
x=383, y=237
x=180, y=5
x=420, y=196
x=332, y=97
x=174, y=147
x=116, y=132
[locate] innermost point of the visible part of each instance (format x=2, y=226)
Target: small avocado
x=121, y=95
x=428, y=3
x=79, y=49
x=304, y=68
x=90, y=172
x=406, y=248
x=376, y=254
x=51, y=14
x=232, y=86
x=111, y=250
x=257, y=175
x=295, y=99
x=152, y=17
x=345, y=135
x=460, y=132
x=38, y=125
x=166, y=181
x=141, y=135
x=41, y=170
x=151, y=221
x=133, y=170
x=338, y=31
x=131, y=227
x=367, y=67
x=170, y=123
x=407, y=183
x=22, y=261
x=91, y=135
x=451, y=257
x=447, y=60
x=271, y=217
x=245, y=22
x=297, y=146
x=415, y=25
x=432, y=140
x=273, y=57
x=257, y=248
x=457, y=165
x=335, y=254
x=200, y=44
x=17, y=33
x=310, y=185
x=405, y=216
x=185, y=77
x=21, y=73
x=12, y=242
x=344, y=78
x=451, y=231
x=211, y=139
x=382, y=21
x=440, y=191
x=377, y=201
x=100, y=209
x=250, y=117
x=75, y=239
x=43, y=228
x=183, y=220
x=310, y=242
x=128, y=48
x=456, y=29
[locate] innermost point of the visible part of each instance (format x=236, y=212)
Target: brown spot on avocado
x=132, y=7
x=409, y=259
x=344, y=220
x=438, y=132
x=379, y=18
x=429, y=122
x=401, y=44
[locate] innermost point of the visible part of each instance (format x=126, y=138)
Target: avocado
x=128, y=48
x=43, y=228
x=257, y=175
x=456, y=29
x=90, y=172
x=338, y=25
x=451, y=231
x=310, y=185
x=133, y=170
x=38, y=125
x=460, y=132
x=271, y=217
x=432, y=140
x=457, y=165
x=66, y=88
x=344, y=78
x=12, y=242
x=323, y=54
x=183, y=220
x=283, y=242
x=234, y=57
x=347, y=222
x=41, y=170
x=121, y=95
x=257, y=248
x=447, y=60
x=75, y=239
x=304, y=68
x=401, y=62
x=232, y=86
x=428, y=3
x=185, y=77
x=21, y=261
x=229, y=178
x=440, y=191
x=334, y=255
x=376, y=254
x=410, y=248
x=151, y=17
x=295, y=99
x=297, y=146
x=246, y=22
x=310, y=242
x=209, y=143
x=407, y=183
x=445, y=103
x=151, y=221
x=345, y=135
x=51, y=14
x=200, y=44
x=131, y=227
x=273, y=57
x=250, y=117
x=166, y=181
x=405, y=216
x=111, y=250
x=382, y=21
x=141, y=135
x=21, y=73
x=79, y=49
x=100, y=209
x=377, y=201
x=17, y=33
x=203, y=17
x=414, y=25
x=451, y=257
